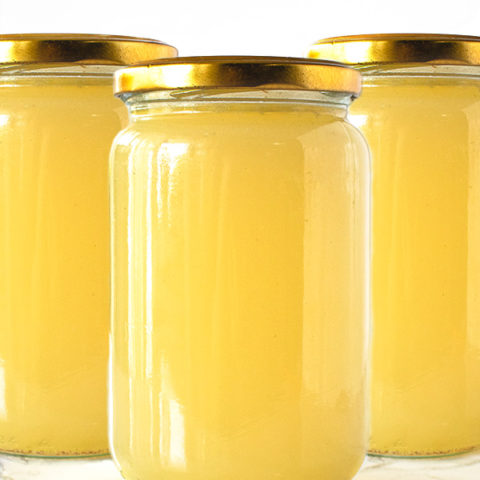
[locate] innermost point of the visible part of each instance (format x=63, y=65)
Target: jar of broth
x=240, y=223
x=420, y=112
x=58, y=118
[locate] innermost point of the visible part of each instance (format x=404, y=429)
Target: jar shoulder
x=306, y=132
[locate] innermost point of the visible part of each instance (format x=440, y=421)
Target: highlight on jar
x=240, y=247
x=58, y=118
x=420, y=112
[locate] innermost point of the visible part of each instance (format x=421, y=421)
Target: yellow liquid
x=240, y=311
x=55, y=134
x=424, y=134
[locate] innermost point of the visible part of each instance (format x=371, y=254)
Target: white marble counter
x=461, y=467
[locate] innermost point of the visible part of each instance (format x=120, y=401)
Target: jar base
x=19, y=467
x=423, y=455
x=457, y=467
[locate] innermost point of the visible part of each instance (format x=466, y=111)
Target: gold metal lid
x=80, y=48
x=238, y=72
x=377, y=49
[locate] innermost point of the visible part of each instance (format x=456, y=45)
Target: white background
x=258, y=27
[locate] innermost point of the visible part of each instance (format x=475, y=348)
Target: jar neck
x=29, y=70
x=415, y=70
x=146, y=104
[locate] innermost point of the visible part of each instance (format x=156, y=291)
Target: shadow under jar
x=57, y=121
x=420, y=113
x=240, y=235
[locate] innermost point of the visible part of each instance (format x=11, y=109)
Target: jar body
x=240, y=241
x=424, y=133
x=55, y=132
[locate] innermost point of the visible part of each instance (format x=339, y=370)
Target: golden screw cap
x=238, y=72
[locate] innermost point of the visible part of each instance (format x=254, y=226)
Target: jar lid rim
x=399, y=48
x=79, y=48
x=260, y=72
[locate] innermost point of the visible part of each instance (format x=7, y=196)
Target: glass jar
x=420, y=113
x=57, y=121
x=240, y=217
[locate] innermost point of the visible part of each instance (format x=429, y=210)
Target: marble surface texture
x=460, y=467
